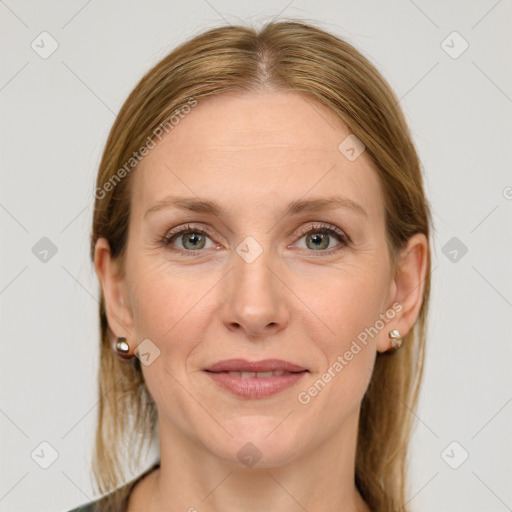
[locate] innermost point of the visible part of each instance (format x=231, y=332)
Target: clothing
x=117, y=500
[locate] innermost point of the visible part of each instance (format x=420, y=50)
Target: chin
x=260, y=446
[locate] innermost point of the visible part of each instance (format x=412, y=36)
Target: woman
x=261, y=236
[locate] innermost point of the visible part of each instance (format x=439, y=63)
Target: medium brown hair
x=287, y=56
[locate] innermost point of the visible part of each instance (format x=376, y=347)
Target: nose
x=256, y=298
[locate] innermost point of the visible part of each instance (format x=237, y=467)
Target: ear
x=407, y=288
x=113, y=284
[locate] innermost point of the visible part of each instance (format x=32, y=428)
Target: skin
x=253, y=154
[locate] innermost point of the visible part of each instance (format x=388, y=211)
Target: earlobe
x=113, y=285
x=408, y=286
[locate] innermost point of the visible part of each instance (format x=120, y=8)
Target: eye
x=319, y=237
x=192, y=239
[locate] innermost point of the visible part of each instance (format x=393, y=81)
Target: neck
x=191, y=478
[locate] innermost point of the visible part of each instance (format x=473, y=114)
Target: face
x=255, y=280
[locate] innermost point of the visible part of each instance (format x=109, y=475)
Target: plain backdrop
x=449, y=63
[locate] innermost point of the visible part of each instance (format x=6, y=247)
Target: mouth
x=267, y=365
x=257, y=379
x=259, y=375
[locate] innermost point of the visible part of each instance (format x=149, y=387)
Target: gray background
x=56, y=113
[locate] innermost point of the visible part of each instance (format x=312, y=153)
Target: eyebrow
x=294, y=208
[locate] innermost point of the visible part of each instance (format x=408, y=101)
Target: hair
x=280, y=56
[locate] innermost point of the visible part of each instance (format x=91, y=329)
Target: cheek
x=168, y=307
x=158, y=294
x=349, y=307
x=345, y=301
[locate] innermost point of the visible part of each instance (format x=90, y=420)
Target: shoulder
x=89, y=507
x=117, y=500
x=113, y=502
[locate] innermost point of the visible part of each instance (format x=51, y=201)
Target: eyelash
x=319, y=228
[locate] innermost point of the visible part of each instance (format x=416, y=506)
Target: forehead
x=249, y=150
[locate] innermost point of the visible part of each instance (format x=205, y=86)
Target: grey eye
x=319, y=240
x=196, y=241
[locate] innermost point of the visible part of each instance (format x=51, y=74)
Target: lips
x=257, y=379
x=267, y=365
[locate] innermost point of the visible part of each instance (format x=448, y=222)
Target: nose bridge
x=255, y=301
